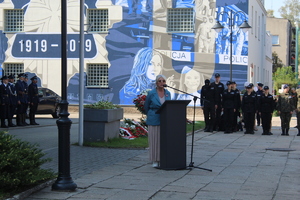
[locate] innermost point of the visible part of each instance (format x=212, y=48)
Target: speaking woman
x=154, y=100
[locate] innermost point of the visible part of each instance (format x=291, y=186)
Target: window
x=275, y=39
x=180, y=20
x=98, y=20
x=13, y=68
x=14, y=20
x=97, y=75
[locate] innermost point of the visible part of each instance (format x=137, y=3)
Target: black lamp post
x=218, y=28
x=64, y=180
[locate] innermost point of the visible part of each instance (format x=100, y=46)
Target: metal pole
x=81, y=74
x=231, y=26
x=64, y=181
x=297, y=51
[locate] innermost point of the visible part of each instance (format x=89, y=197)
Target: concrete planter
x=101, y=124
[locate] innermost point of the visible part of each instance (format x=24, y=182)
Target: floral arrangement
x=131, y=129
x=140, y=100
x=102, y=105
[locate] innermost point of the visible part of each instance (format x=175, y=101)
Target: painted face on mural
x=192, y=80
x=154, y=67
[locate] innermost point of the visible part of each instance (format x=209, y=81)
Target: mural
x=137, y=46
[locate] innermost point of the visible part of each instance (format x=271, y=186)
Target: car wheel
x=56, y=113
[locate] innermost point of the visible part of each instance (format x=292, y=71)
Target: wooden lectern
x=173, y=134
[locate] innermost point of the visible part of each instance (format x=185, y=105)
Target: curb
x=26, y=193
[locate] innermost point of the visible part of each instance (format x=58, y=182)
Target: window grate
x=98, y=19
x=180, y=20
x=97, y=75
x=14, y=20
x=13, y=68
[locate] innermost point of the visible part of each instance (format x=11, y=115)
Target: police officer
x=4, y=101
x=298, y=111
x=228, y=107
x=33, y=99
x=209, y=105
x=238, y=105
x=249, y=104
x=266, y=106
x=12, y=99
x=220, y=88
x=285, y=107
x=259, y=93
x=21, y=99
x=26, y=97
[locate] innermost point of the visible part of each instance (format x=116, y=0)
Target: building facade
x=129, y=42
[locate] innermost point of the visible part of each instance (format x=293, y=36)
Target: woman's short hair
x=160, y=76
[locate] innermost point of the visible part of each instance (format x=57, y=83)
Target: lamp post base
x=64, y=184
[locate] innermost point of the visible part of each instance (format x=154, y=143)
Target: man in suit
x=33, y=99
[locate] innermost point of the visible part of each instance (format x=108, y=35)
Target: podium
x=173, y=134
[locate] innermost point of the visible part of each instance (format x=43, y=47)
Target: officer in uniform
x=266, y=106
x=209, y=105
x=285, y=107
x=228, y=107
x=12, y=99
x=4, y=100
x=21, y=99
x=298, y=111
x=33, y=99
x=238, y=106
x=249, y=104
x=220, y=88
x=26, y=97
x=259, y=93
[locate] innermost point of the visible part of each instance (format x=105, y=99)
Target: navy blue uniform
x=228, y=104
x=33, y=99
x=249, y=107
x=266, y=106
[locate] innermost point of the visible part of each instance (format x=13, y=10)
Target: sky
x=274, y=5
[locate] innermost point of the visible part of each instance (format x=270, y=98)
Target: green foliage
x=290, y=10
x=284, y=75
x=102, y=105
x=20, y=164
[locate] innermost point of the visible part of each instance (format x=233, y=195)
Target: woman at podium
x=155, y=98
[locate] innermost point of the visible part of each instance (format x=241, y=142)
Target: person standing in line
x=249, y=104
x=266, y=105
x=285, y=107
x=220, y=89
x=12, y=99
x=208, y=104
x=4, y=100
x=298, y=110
x=21, y=100
x=259, y=93
x=33, y=99
x=238, y=106
x=26, y=105
x=228, y=107
x=155, y=98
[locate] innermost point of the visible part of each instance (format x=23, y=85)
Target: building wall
x=284, y=34
x=137, y=46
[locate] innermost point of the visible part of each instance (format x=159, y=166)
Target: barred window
x=98, y=19
x=13, y=68
x=14, y=20
x=97, y=75
x=180, y=20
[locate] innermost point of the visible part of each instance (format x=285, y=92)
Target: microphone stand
x=191, y=165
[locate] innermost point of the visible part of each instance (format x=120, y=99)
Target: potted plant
x=101, y=121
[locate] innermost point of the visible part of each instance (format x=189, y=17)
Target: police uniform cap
x=26, y=75
x=285, y=86
x=260, y=84
x=266, y=88
x=12, y=76
x=249, y=86
x=4, y=78
x=207, y=81
x=228, y=83
x=233, y=82
x=34, y=78
x=21, y=75
x=217, y=75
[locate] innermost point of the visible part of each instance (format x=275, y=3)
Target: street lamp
x=219, y=27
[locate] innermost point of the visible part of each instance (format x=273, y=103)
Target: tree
x=290, y=10
x=270, y=13
x=284, y=75
x=277, y=62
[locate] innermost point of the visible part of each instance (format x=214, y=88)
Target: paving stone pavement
x=242, y=169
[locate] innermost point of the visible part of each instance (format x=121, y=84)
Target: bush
x=102, y=105
x=20, y=164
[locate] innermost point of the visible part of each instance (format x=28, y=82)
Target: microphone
x=165, y=85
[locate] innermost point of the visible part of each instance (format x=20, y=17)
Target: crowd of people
x=15, y=98
x=230, y=110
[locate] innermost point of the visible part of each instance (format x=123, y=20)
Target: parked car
x=49, y=101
